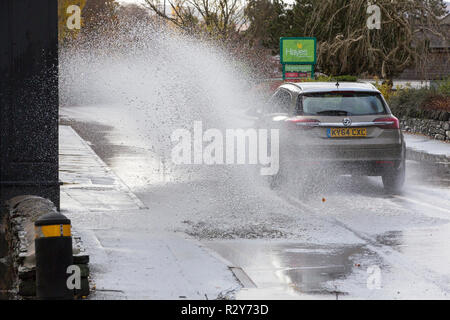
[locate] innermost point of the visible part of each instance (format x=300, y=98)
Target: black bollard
x=53, y=247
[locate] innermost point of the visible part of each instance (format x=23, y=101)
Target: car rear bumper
x=361, y=161
x=343, y=153
x=358, y=168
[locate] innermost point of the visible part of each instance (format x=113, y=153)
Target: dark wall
x=29, y=98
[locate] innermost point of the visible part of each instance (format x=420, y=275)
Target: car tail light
x=384, y=162
x=302, y=123
x=388, y=123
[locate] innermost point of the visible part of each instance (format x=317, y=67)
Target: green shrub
x=407, y=102
x=444, y=87
x=323, y=79
x=385, y=89
x=343, y=78
x=424, y=103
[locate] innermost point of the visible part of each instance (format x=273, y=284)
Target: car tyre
x=394, y=180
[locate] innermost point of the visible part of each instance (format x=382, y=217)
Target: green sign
x=298, y=71
x=298, y=50
x=298, y=67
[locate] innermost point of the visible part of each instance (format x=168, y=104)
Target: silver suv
x=346, y=128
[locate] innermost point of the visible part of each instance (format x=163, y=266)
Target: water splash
x=160, y=80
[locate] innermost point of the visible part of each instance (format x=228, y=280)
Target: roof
x=435, y=41
x=438, y=39
x=325, y=86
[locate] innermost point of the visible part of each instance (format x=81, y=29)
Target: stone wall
x=6, y=271
x=436, y=129
x=22, y=212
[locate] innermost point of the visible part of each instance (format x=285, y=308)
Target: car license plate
x=346, y=132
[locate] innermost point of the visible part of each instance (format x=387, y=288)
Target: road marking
x=390, y=255
x=423, y=204
x=238, y=272
x=243, y=277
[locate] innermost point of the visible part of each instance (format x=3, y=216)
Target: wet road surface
x=350, y=241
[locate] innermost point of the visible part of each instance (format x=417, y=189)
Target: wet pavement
x=97, y=190
x=343, y=233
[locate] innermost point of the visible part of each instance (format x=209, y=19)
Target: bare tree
x=133, y=11
x=347, y=42
x=220, y=18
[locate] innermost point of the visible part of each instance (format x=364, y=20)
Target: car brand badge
x=347, y=122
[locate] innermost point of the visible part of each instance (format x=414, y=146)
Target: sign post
x=298, y=57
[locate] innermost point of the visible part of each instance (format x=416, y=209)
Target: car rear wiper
x=334, y=113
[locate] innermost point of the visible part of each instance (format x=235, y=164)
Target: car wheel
x=394, y=180
x=278, y=179
x=274, y=181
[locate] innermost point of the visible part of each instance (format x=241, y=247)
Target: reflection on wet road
x=290, y=269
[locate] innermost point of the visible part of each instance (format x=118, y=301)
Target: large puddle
x=291, y=269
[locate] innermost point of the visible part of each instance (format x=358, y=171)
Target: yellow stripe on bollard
x=56, y=230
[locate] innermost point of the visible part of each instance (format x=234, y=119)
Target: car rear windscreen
x=340, y=103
